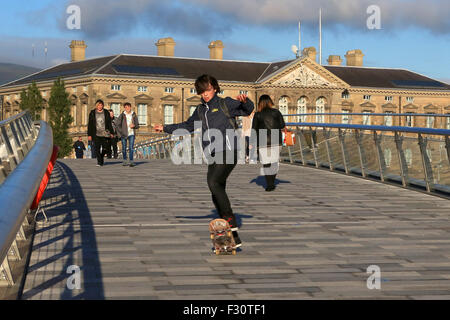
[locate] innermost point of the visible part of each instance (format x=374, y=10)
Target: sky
x=404, y=34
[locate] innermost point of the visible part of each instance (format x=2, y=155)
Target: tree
x=32, y=100
x=60, y=118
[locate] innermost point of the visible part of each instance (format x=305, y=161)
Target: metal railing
x=412, y=156
x=25, y=151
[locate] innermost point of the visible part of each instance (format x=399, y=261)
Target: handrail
x=18, y=190
x=372, y=128
x=445, y=115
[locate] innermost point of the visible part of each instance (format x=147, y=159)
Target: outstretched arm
x=188, y=124
x=242, y=106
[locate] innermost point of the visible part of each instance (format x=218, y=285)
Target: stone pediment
x=143, y=97
x=347, y=103
x=170, y=98
x=116, y=95
x=305, y=73
x=389, y=106
x=430, y=107
x=194, y=99
x=368, y=105
x=410, y=106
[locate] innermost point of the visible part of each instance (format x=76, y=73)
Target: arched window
x=301, y=108
x=283, y=106
x=320, y=108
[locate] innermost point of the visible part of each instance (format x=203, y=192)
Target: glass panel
x=322, y=154
x=440, y=165
x=351, y=146
x=390, y=156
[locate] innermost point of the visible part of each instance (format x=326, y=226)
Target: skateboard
x=222, y=237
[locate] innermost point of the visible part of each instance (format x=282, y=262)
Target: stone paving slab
x=141, y=233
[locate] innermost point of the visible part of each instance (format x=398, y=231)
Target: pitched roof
x=385, y=78
x=157, y=67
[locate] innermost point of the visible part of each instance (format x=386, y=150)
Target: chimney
x=310, y=53
x=166, y=47
x=78, y=50
x=216, y=50
x=334, y=60
x=354, y=58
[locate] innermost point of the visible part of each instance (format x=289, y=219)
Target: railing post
x=380, y=155
x=362, y=156
x=5, y=273
x=343, y=149
x=300, y=134
x=313, y=146
x=327, y=145
x=427, y=169
x=447, y=146
x=401, y=159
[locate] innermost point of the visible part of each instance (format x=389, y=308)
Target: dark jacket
x=79, y=147
x=212, y=117
x=270, y=119
x=122, y=127
x=92, y=125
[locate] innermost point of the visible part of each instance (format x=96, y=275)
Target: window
x=168, y=114
x=388, y=119
x=320, y=108
x=366, y=118
x=345, y=117
x=387, y=157
x=388, y=98
x=409, y=120
x=220, y=92
x=73, y=113
x=191, y=110
x=367, y=97
x=193, y=91
x=408, y=157
x=116, y=108
x=8, y=98
x=168, y=90
x=142, y=89
x=243, y=92
x=410, y=99
x=345, y=94
x=74, y=89
x=115, y=87
x=301, y=108
x=430, y=122
x=142, y=114
x=85, y=88
x=44, y=94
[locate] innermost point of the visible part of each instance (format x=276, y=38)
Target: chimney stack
x=310, y=53
x=216, y=50
x=78, y=50
x=166, y=47
x=334, y=60
x=354, y=58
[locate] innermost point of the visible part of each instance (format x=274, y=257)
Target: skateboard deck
x=222, y=237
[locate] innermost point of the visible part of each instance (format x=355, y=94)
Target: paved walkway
x=141, y=233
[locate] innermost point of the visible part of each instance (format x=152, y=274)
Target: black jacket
x=92, y=125
x=79, y=147
x=270, y=119
x=212, y=117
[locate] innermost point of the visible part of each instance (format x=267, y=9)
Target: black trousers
x=217, y=182
x=101, y=148
x=112, y=148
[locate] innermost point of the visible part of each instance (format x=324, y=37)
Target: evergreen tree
x=32, y=100
x=60, y=118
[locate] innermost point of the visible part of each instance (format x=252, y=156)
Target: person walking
x=112, y=148
x=99, y=130
x=79, y=148
x=216, y=115
x=267, y=125
x=126, y=125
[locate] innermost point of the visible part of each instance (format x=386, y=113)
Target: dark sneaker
x=132, y=164
x=237, y=240
x=271, y=188
x=125, y=162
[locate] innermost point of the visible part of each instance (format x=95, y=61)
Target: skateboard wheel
x=217, y=252
x=229, y=234
x=233, y=252
x=211, y=236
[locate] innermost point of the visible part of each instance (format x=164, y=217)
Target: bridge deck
x=141, y=233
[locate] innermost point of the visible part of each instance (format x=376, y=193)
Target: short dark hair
x=202, y=83
x=126, y=104
x=99, y=101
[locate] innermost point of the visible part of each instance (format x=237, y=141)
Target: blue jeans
x=130, y=140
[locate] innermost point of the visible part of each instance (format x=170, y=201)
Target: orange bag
x=288, y=138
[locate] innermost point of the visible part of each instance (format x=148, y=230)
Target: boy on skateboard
x=218, y=114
